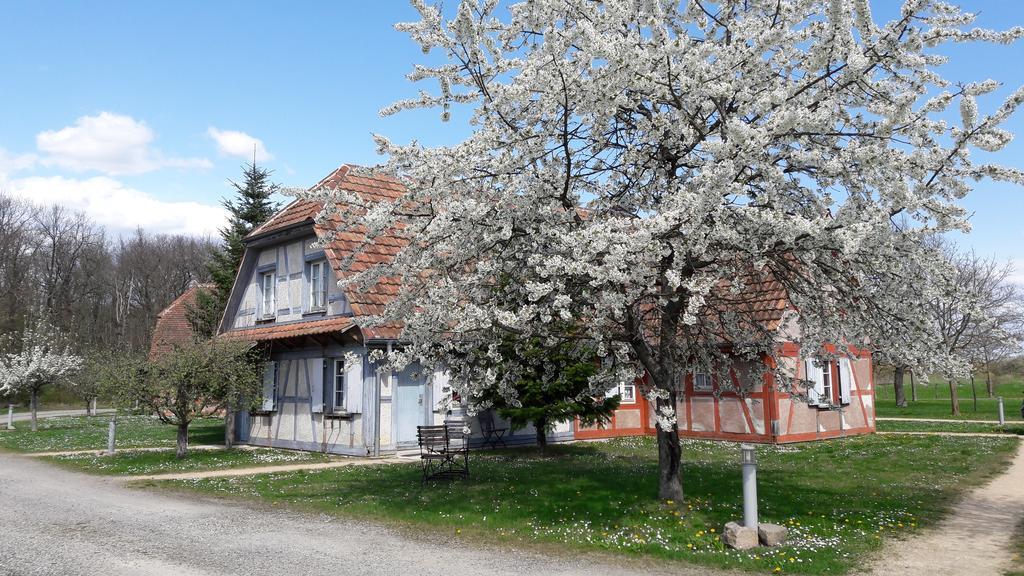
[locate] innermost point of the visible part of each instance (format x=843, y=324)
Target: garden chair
x=444, y=451
x=492, y=436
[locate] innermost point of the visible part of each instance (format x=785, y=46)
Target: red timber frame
x=777, y=427
x=785, y=421
x=619, y=424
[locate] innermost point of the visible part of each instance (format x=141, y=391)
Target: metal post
x=110, y=436
x=10, y=416
x=749, y=461
x=1002, y=412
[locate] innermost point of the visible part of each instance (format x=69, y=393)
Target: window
x=318, y=285
x=268, y=283
x=627, y=393
x=338, y=384
x=701, y=382
x=826, y=382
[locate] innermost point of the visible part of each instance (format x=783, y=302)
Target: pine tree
x=553, y=385
x=249, y=209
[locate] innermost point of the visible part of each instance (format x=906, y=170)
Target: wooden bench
x=444, y=451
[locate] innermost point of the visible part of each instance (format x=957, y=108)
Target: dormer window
x=268, y=284
x=318, y=273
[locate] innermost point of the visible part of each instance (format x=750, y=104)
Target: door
x=410, y=409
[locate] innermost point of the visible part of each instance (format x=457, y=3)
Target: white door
x=410, y=408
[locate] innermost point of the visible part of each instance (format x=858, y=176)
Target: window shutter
x=845, y=380
x=354, y=386
x=327, y=373
x=315, y=369
x=440, y=387
x=813, y=374
x=269, y=379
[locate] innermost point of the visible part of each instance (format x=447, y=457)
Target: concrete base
x=772, y=534
x=739, y=537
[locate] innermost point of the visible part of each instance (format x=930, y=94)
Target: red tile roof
x=763, y=298
x=291, y=329
x=172, y=327
x=364, y=302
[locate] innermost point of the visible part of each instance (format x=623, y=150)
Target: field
x=933, y=401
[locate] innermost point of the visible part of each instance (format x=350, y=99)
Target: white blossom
x=638, y=169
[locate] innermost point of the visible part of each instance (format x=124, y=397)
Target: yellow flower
x=458, y=530
x=712, y=530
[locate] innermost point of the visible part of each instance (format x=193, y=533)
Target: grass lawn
x=926, y=426
x=840, y=498
x=132, y=463
x=933, y=401
x=88, y=433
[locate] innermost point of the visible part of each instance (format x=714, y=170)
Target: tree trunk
x=182, y=450
x=897, y=386
x=670, y=456
x=229, y=427
x=988, y=382
x=913, y=387
x=542, y=433
x=954, y=398
x=974, y=393
x=34, y=407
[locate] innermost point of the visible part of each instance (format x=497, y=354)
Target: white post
x=749, y=461
x=110, y=436
x=92, y=406
x=10, y=416
x=1002, y=412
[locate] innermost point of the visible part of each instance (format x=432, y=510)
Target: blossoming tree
x=638, y=169
x=44, y=360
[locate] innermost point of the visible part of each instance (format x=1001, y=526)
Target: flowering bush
x=44, y=359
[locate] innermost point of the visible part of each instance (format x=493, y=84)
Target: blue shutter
x=315, y=369
x=269, y=386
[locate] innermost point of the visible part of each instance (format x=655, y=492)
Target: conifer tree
x=252, y=206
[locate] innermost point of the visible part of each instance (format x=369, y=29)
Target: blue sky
x=139, y=112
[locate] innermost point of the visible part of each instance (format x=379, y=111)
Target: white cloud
x=120, y=208
x=1017, y=277
x=109, y=143
x=10, y=163
x=240, y=144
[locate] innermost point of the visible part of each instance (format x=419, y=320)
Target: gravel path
x=974, y=539
x=64, y=523
x=270, y=469
x=26, y=416
x=938, y=433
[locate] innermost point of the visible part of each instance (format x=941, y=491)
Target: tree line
x=101, y=290
x=80, y=308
